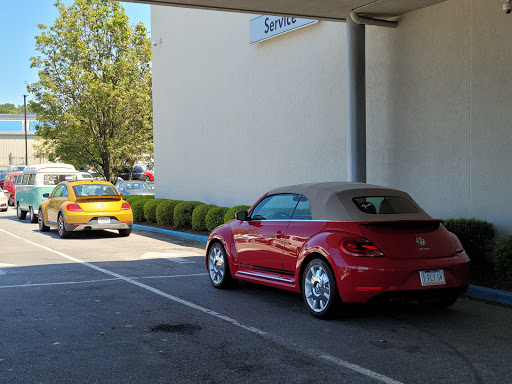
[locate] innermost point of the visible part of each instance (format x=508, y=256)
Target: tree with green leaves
x=11, y=108
x=93, y=99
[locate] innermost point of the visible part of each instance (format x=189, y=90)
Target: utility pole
x=26, y=128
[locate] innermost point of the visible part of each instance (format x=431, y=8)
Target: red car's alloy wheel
x=218, y=267
x=319, y=288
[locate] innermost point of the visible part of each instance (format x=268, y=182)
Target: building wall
x=439, y=115
x=12, y=140
x=14, y=143
x=233, y=120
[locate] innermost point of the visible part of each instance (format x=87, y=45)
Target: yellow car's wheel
x=124, y=232
x=31, y=215
x=40, y=220
x=63, y=233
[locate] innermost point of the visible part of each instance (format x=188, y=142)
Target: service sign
x=264, y=27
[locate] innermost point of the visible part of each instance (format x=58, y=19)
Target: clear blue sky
x=18, y=21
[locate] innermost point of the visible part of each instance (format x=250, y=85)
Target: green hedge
x=199, y=216
x=215, y=217
x=131, y=198
x=150, y=209
x=502, y=257
x=165, y=212
x=183, y=214
x=230, y=214
x=475, y=235
x=138, y=209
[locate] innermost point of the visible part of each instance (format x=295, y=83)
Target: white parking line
x=284, y=343
x=164, y=277
x=59, y=283
x=169, y=256
x=95, y=281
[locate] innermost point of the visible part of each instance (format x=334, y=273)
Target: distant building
x=12, y=140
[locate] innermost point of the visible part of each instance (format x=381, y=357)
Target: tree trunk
x=108, y=168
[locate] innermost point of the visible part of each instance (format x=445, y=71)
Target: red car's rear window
x=384, y=205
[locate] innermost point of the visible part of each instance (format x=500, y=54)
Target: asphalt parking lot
x=97, y=308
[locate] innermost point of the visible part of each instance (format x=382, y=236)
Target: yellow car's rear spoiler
x=99, y=197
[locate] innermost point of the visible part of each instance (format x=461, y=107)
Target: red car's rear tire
x=319, y=289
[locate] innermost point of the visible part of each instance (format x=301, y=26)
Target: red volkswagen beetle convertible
x=347, y=242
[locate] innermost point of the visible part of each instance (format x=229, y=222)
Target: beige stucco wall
x=14, y=143
x=233, y=120
x=439, y=121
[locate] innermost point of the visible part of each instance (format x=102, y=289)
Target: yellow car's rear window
x=94, y=190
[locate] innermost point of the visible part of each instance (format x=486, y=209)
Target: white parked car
x=3, y=202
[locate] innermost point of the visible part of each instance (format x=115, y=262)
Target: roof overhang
x=335, y=10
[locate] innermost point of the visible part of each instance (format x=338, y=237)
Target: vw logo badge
x=101, y=205
x=421, y=240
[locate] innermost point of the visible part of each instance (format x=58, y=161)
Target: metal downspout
x=356, y=103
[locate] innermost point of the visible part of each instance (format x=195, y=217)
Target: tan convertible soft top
x=333, y=201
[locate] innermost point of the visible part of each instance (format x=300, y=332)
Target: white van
x=37, y=180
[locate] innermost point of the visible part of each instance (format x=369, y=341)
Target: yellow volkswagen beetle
x=85, y=205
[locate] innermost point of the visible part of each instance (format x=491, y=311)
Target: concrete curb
x=183, y=235
x=489, y=294
x=474, y=291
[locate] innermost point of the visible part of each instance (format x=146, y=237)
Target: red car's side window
x=302, y=210
x=276, y=207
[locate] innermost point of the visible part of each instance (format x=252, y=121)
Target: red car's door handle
x=279, y=235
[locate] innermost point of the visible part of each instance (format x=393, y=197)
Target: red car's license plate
x=432, y=277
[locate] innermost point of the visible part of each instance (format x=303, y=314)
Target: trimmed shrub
x=150, y=209
x=215, y=217
x=138, y=209
x=199, y=216
x=230, y=214
x=165, y=212
x=183, y=213
x=502, y=257
x=132, y=198
x=475, y=235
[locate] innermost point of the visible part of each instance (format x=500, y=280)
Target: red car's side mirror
x=242, y=216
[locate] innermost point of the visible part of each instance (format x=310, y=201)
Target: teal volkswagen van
x=37, y=180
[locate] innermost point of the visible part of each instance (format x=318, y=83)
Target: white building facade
x=233, y=119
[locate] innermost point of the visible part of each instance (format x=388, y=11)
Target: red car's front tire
x=218, y=267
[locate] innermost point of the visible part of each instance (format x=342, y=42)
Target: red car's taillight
x=74, y=207
x=125, y=206
x=456, y=242
x=360, y=247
